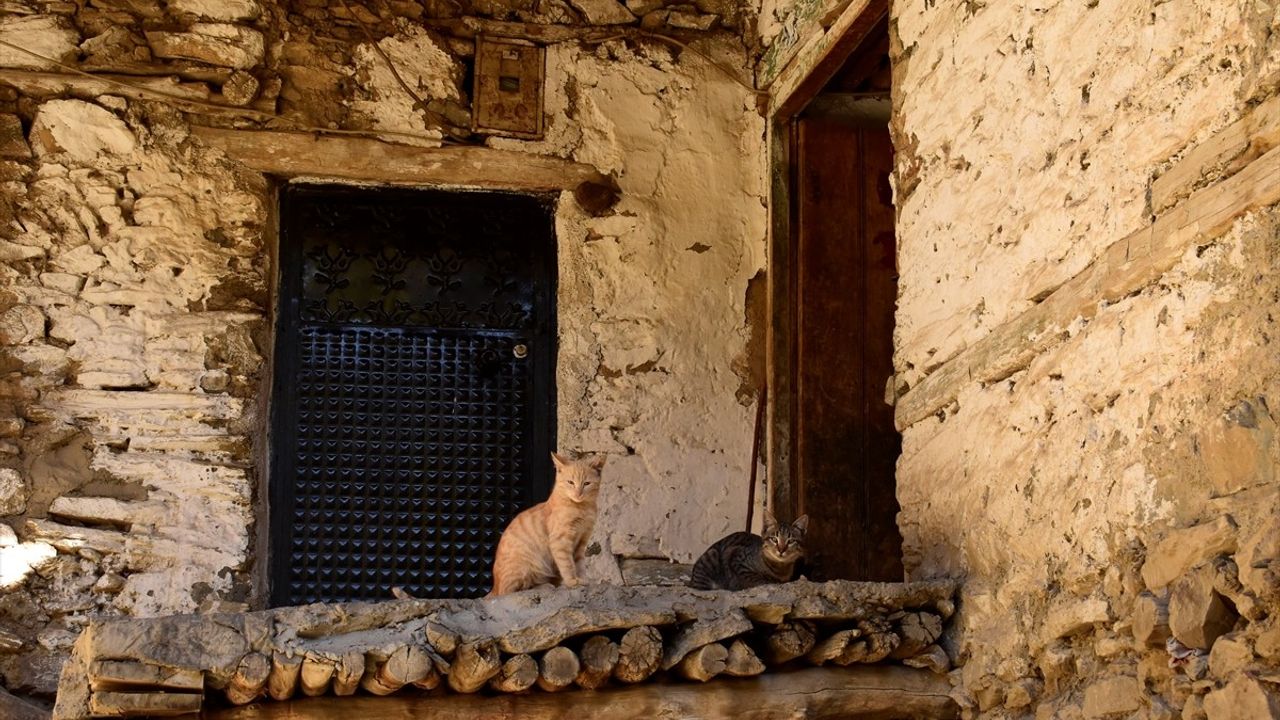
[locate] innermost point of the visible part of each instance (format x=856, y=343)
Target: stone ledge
x=580, y=636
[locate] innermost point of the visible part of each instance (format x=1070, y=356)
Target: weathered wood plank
x=818, y=53
x=813, y=693
x=1235, y=146
x=1125, y=266
x=158, y=704
x=293, y=154
x=703, y=632
x=117, y=675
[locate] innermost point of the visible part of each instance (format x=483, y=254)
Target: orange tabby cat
x=545, y=543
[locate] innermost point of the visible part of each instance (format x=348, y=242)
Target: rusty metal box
x=508, y=93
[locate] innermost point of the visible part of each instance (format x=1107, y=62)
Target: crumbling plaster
x=136, y=313
x=1051, y=489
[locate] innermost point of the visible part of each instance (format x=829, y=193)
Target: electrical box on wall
x=508, y=88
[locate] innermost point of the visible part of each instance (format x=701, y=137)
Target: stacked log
x=541, y=641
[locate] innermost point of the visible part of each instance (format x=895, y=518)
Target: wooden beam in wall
x=868, y=691
x=1237, y=145
x=295, y=154
x=820, y=57
x=1126, y=266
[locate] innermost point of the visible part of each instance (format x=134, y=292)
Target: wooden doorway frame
x=801, y=79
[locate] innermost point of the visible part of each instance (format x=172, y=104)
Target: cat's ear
x=770, y=522
x=801, y=524
x=597, y=462
x=560, y=461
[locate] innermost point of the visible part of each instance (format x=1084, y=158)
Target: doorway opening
x=413, y=396
x=834, y=313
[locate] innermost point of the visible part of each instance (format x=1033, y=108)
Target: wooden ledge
x=863, y=692
x=298, y=154
x=556, y=638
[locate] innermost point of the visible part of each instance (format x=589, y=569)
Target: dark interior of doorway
x=413, y=397
x=844, y=289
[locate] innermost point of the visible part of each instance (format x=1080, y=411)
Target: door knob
x=520, y=350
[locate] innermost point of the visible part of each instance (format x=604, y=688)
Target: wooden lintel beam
x=295, y=154
x=861, y=692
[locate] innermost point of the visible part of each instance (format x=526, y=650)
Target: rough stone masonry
x=137, y=263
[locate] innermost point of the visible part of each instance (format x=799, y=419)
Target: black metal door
x=412, y=408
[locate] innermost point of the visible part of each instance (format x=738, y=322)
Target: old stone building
x=1060, y=219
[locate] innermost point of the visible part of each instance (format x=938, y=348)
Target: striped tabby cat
x=545, y=543
x=744, y=559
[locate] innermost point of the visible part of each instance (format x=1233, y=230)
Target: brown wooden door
x=846, y=445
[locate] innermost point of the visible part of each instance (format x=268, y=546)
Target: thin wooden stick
x=755, y=454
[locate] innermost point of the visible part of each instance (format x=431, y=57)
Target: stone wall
x=1086, y=356
x=135, y=312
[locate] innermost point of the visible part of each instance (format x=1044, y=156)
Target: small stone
x=640, y=8
x=603, y=12
x=1073, y=615
x=220, y=44
x=1117, y=695
x=1181, y=550
x=226, y=10
x=1022, y=693
x=66, y=282
x=8, y=538
x=1151, y=619
x=56, y=638
x=1229, y=654
x=215, y=381
x=655, y=20
x=21, y=324
x=109, y=584
x=1055, y=663
x=89, y=554
x=1197, y=613
x=1243, y=698
x=1267, y=644
x=691, y=21
x=13, y=492
x=1109, y=647
x=1193, y=708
